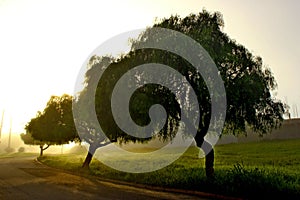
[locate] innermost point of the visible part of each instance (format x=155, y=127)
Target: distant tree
x=21, y=149
x=53, y=126
x=9, y=149
x=28, y=139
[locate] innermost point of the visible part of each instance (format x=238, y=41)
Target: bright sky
x=43, y=43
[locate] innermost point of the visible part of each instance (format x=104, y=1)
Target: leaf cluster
x=54, y=125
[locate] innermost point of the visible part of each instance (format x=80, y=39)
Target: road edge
x=148, y=187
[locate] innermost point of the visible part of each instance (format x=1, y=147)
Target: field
x=266, y=169
x=16, y=154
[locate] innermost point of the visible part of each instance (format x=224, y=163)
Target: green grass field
x=269, y=169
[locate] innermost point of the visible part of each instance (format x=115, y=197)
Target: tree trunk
x=209, y=164
x=209, y=155
x=89, y=156
x=41, y=152
x=43, y=149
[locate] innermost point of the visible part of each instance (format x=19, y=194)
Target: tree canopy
x=54, y=125
x=248, y=84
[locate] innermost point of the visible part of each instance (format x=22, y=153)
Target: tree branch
x=48, y=145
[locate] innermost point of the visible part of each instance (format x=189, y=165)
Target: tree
x=83, y=106
x=27, y=139
x=53, y=126
x=248, y=84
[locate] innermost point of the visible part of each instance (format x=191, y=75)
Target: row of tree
x=248, y=84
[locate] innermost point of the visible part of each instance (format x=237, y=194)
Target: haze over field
x=44, y=43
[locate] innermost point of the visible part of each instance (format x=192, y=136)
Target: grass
x=269, y=169
x=17, y=154
x=283, y=155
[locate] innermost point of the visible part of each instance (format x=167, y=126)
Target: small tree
x=28, y=139
x=21, y=150
x=53, y=126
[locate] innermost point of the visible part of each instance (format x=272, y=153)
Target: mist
x=17, y=143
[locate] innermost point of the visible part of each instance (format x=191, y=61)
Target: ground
x=25, y=178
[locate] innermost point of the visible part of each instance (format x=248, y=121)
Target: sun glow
x=45, y=43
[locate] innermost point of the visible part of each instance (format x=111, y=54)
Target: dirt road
x=23, y=178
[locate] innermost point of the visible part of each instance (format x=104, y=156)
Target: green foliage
x=54, y=125
x=140, y=102
x=28, y=139
x=86, y=125
x=247, y=81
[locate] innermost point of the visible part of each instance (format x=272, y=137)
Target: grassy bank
x=269, y=169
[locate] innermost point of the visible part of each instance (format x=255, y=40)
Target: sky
x=44, y=43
